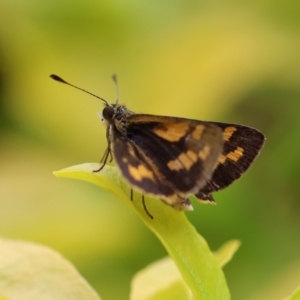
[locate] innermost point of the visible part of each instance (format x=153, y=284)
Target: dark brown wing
x=242, y=145
x=166, y=156
x=136, y=169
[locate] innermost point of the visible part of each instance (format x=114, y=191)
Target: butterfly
x=172, y=158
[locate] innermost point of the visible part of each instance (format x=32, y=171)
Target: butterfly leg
x=131, y=194
x=108, y=144
x=143, y=202
x=104, y=159
x=107, y=153
x=145, y=207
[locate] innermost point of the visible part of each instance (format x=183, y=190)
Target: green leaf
x=188, y=249
x=295, y=295
x=160, y=280
x=226, y=252
x=31, y=271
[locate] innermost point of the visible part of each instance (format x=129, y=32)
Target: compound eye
x=108, y=113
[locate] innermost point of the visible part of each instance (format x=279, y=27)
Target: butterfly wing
x=165, y=155
x=136, y=168
x=242, y=144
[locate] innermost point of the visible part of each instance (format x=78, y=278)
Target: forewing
x=135, y=168
x=181, y=154
x=241, y=147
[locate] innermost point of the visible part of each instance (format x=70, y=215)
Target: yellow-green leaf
x=226, y=252
x=159, y=280
x=35, y=272
x=295, y=295
x=162, y=280
x=188, y=249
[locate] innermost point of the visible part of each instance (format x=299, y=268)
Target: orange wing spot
x=130, y=150
x=140, y=172
x=192, y=155
x=236, y=154
x=233, y=155
x=172, y=132
x=174, y=165
x=222, y=159
x=197, y=133
x=125, y=160
x=204, y=153
x=228, y=132
x=185, y=160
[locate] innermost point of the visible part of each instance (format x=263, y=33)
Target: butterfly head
x=113, y=113
x=108, y=114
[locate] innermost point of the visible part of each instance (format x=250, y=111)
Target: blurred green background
x=228, y=62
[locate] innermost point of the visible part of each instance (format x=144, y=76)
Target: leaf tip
x=57, y=173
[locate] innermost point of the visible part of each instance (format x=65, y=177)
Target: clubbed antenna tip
x=59, y=79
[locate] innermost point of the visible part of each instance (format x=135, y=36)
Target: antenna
x=59, y=79
x=115, y=80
